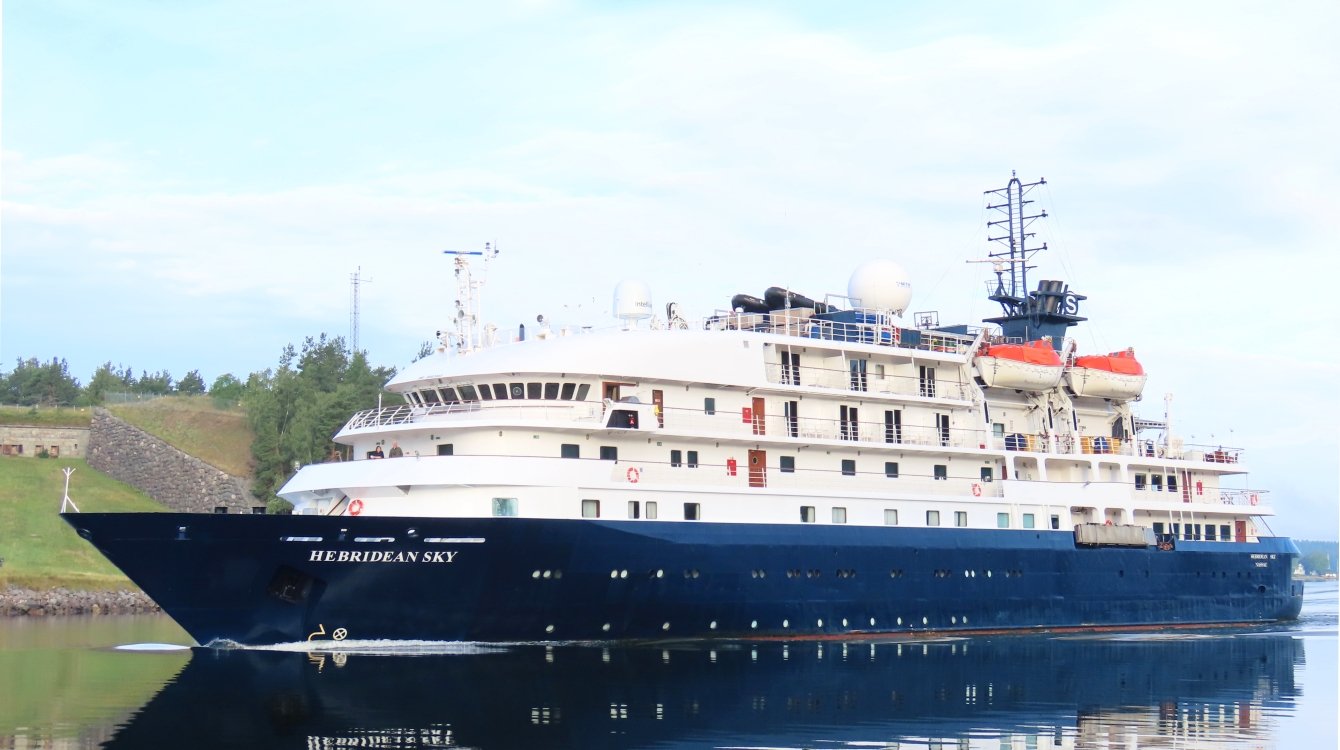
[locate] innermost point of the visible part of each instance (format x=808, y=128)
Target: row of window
x=500, y=392
x=591, y=509
x=693, y=512
x=1194, y=532
x=1155, y=483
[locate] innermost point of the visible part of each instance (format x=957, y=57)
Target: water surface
x=64, y=684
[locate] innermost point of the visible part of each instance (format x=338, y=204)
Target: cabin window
x=676, y=458
x=486, y=392
x=518, y=390
x=1176, y=530
x=988, y=474
x=1225, y=533
x=791, y=412
x=942, y=424
x=468, y=393
x=1196, y=533
x=633, y=509
x=582, y=390
x=1056, y=523
x=449, y=396
x=998, y=430
x=570, y=450
x=840, y=514
x=941, y=471
x=848, y=426
x=1158, y=527
x=788, y=464
x=1156, y=482
x=504, y=506
x=590, y=509
x=1140, y=481
x=961, y=518
x=534, y=390
x=1172, y=482
x=609, y=453
x=893, y=426
x=693, y=459
x=890, y=517
x=568, y=390
x=429, y=396
x=446, y=449
x=1028, y=520
x=858, y=377
x=651, y=510
x=222, y=510
x=891, y=469
x=807, y=514
x=932, y=518
x=693, y=512
x=551, y=391
x=709, y=406
x=1209, y=532
x=848, y=467
x=1002, y=520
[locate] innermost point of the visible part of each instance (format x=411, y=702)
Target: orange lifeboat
x=1117, y=375
x=1034, y=366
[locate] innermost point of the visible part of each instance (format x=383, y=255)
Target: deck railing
x=741, y=475
x=740, y=424
x=584, y=412
x=864, y=382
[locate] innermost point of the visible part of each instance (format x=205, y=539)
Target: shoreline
x=17, y=601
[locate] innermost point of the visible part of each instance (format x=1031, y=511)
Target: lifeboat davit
x=1034, y=366
x=1117, y=375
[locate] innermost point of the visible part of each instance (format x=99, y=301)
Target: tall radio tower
x=355, y=281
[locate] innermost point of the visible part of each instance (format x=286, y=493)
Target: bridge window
x=449, y=396
x=500, y=391
x=1209, y=532
x=468, y=393
x=551, y=391
x=582, y=390
x=429, y=396
x=568, y=390
x=518, y=390
x=534, y=390
x=1172, y=482
x=486, y=392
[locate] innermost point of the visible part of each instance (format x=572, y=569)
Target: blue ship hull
x=236, y=578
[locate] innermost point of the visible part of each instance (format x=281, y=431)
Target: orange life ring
x=634, y=474
x=355, y=507
x=1255, y=499
x=976, y=490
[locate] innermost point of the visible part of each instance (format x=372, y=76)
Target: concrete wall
x=19, y=440
x=178, y=480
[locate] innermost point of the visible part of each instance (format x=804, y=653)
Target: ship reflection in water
x=1001, y=693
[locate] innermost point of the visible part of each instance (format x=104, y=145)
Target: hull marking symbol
x=321, y=630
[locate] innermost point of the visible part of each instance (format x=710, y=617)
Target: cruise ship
x=785, y=467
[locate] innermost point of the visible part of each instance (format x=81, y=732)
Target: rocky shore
x=21, y=602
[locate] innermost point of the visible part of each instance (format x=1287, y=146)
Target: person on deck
x=395, y=450
x=376, y=453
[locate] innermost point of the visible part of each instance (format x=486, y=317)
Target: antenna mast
x=355, y=279
x=1015, y=238
x=469, y=296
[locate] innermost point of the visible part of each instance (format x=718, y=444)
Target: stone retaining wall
x=17, y=602
x=178, y=480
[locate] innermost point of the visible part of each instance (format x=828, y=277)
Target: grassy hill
x=196, y=425
x=40, y=550
x=59, y=416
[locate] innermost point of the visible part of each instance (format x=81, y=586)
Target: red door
x=758, y=417
x=758, y=468
x=1240, y=530
x=658, y=398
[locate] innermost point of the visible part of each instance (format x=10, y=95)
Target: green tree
x=34, y=383
x=107, y=379
x=1316, y=563
x=297, y=408
x=227, y=390
x=192, y=384
x=158, y=383
x=425, y=349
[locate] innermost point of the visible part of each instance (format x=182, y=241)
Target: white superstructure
x=786, y=417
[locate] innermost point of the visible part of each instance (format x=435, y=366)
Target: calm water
x=64, y=684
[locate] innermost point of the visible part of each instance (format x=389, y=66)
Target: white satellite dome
x=632, y=301
x=880, y=285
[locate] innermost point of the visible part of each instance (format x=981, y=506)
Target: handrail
x=543, y=410
x=735, y=423
x=864, y=382
x=869, y=327
x=740, y=475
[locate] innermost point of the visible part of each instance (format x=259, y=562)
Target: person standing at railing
x=395, y=450
x=376, y=452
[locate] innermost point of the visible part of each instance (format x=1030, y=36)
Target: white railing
x=864, y=382
x=585, y=412
x=1238, y=498
x=739, y=476
x=736, y=424
x=1108, y=446
x=878, y=329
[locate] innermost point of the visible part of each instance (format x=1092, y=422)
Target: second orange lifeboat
x=1117, y=375
x=1034, y=366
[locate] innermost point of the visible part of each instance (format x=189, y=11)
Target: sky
x=189, y=185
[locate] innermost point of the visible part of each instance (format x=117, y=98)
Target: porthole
x=762, y=574
x=666, y=626
x=988, y=574
x=548, y=628
x=844, y=622
x=623, y=574
x=547, y=573
x=713, y=625
x=821, y=623
x=872, y=622
x=660, y=573
x=536, y=574
x=953, y=620
x=924, y=621
x=614, y=574
x=900, y=621
x=753, y=624
x=786, y=623
x=965, y=622
x=695, y=574
x=605, y=627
